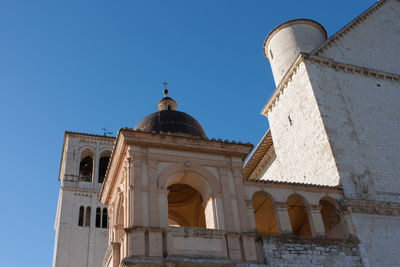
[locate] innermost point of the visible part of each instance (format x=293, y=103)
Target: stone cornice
x=354, y=69
x=372, y=207
x=80, y=190
x=350, y=26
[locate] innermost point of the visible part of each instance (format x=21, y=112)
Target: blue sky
x=84, y=65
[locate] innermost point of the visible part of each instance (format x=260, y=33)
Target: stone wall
x=373, y=43
x=380, y=238
x=301, y=145
x=361, y=115
x=291, y=251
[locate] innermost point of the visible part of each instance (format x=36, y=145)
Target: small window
x=87, y=218
x=104, y=219
x=98, y=217
x=81, y=211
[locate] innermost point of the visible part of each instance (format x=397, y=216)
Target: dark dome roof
x=171, y=121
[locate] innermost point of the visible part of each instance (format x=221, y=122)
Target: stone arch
x=298, y=215
x=264, y=213
x=332, y=218
x=204, y=183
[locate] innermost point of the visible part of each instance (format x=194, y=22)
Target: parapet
x=284, y=43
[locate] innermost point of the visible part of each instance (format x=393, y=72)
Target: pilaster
x=282, y=217
x=316, y=222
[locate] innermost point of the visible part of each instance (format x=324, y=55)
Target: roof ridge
x=349, y=26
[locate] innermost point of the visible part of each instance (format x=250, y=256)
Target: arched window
x=298, y=216
x=331, y=216
x=98, y=217
x=87, y=216
x=104, y=219
x=264, y=214
x=81, y=215
x=86, y=169
x=185, y=206
x=103, y=164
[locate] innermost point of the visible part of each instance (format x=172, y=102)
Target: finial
x=165, y=88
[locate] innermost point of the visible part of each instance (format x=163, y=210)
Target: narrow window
x=104, y=219
x=85, y=169
x=98, y=217
x=81, y=211
x=103, y=168
x=87, y=218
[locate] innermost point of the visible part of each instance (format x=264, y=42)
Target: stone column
x=282, y=217
x=316, y=222
x=116, y=252
x=250, y=214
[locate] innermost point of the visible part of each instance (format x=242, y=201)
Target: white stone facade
x=77, y=245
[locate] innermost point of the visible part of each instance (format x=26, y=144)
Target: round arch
x=196, y=176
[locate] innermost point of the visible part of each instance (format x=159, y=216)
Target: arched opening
x=98, y=217
x=86, y=166
x=264, y=214
x=185, y=206
x=331, y=216
x=104, y=219
x=298, y=216
x=87, y=216
x=81, y=215
x=103, y=164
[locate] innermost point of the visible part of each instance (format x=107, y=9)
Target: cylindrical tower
x=284, y=43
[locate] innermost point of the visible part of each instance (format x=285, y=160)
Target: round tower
x=284, y=43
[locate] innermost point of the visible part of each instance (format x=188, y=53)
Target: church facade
x=321, y=187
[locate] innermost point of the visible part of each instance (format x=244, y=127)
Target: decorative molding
x=372, y=207
x=348, y=68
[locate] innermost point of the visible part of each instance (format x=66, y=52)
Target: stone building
x=320, y=188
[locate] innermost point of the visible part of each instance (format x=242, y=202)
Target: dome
x=168, y=119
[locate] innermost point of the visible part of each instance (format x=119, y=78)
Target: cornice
x=373, y=207
x=80, y=190
x=350, y=26
x=337, y=66
x=264, y=161
x=257, y=155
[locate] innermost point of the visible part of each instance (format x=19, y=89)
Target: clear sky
x=84, y=65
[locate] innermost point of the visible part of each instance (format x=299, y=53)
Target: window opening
x=98, y=217
x=86, y=169
x=87, y=217
x=81, y=214
x=103, y=164
x=104, y=219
